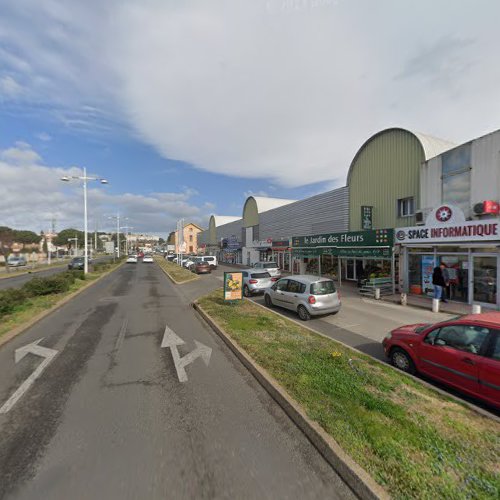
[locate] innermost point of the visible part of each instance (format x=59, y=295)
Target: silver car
x=255, y=281
x=305, y=294
x=271, y=267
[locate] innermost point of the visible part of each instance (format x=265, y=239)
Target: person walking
x=438, y=282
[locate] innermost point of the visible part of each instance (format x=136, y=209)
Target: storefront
x=230, y=251
x=468, y=249
x=281, y=253
x=345, y=256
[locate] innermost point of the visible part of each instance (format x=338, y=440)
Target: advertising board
x=233, y=286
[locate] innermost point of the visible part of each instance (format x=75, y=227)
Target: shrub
x=47, y=286
x=10, y=298
x=78, y=274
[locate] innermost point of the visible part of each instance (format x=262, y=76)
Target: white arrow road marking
x=38, y=350
x=172, y=340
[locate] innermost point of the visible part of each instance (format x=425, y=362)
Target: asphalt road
x=17, y=281
x=108, y=417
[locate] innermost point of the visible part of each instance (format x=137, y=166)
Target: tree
x=171, y=238
x=161, y=241
x=62, y=238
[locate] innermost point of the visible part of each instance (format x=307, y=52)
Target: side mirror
x=274, y=286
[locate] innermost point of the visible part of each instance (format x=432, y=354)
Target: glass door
x=350, y=270
x=484, y=279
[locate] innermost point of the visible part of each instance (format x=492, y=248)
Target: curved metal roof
x=431, y=146
x=220, y=220
x=264, y=204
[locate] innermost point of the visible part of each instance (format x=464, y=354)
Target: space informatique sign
x=447, y=224
x=233, y=286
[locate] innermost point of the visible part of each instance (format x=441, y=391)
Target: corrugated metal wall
x=323, y=213
x=485, y=173
x=228, y=230
x=430, y=183
x=385, y=170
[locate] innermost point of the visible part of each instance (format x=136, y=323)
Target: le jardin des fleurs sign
x=370, y=243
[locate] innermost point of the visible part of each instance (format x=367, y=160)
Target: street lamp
x=127, y=232
x=85, y=179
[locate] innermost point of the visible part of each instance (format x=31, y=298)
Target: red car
x=463, y=352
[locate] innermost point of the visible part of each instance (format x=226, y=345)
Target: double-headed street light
x=85, y=179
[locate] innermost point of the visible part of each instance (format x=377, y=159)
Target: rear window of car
x=322, y=288
x=260, y=275
x=209, y=259
x=270, y=265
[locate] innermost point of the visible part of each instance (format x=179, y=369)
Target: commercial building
x=457, y=224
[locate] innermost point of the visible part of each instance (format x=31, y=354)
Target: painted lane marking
x=19, y=354
x=172, y=340
x=121, y=335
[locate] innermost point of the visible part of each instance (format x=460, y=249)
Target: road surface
x=108, y=417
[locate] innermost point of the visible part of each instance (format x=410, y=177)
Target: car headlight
x=388, y=336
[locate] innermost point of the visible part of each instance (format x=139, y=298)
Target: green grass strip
x=177, y=273
x=414, y=442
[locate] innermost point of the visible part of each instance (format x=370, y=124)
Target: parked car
x=271, y=267
x=200, y=266
x=255, y=281
x=148, y=259
x=132, y=259
x=307, y=295
x=16, y=261
x=463, y=352
x=76, y=263
x=211, y=259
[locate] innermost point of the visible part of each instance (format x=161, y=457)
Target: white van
x=211, y=259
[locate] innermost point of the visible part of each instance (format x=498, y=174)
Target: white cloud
x=31, y=195
x=9, y=88
x=286, y=90
x=43, y=136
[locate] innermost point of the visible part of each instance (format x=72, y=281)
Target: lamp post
x=127, y=231
x=117, y=218
x=85, y=179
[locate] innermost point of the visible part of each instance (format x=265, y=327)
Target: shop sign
x=447, y=224
x=260, y=244
x=280, y=244
x=357, y=252
x=370, y=238
x=233, y=243
x=366, y=217
x=233, y=286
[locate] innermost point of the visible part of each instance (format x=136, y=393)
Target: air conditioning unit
x=487, y=207
x=421, y=215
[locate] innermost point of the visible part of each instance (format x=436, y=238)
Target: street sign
x=233, y=286
x=366, y=217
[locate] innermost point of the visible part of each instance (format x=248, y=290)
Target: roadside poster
x=233, y=286
x=427, y=270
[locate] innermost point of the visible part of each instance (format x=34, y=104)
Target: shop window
x=456, y=167
x=406, y=207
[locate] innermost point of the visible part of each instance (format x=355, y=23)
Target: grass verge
x=413, y=441
x=176, y=273
x=33, y=306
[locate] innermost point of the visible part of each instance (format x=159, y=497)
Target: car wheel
x=303, y=313
x=268, y=301
x=246, y=291
x=402, y=360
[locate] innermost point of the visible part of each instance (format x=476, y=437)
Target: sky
x=187, y=108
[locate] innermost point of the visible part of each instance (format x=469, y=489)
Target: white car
x=147, y=259
x=270, y=267
x=132, y=259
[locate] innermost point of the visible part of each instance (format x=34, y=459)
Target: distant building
x=189, y=242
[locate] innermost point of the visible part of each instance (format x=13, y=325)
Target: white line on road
x=172, y=340
x=121, y=335
x=19, y=354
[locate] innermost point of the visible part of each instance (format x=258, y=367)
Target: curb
x=457, y=399
x=360, y=482
x=6, y=337
x=173, y=280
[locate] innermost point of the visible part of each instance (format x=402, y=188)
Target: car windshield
x=270, y=265
x=422, y=328
x=322, y=288
x=260, y=275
